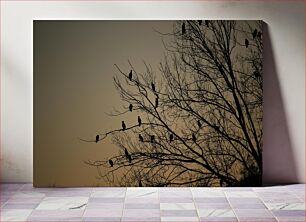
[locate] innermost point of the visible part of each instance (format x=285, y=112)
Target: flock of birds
x=141, y=138
x=255, y=34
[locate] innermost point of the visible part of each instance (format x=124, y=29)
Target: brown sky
x=73, y=88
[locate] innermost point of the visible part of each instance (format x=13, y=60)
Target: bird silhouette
x=156, y=102
x=171, y=137
x=259, y=35
x=131, y=107
x=126, y=152
x=111, y=163
x=153, y=87
x=140, y=138
x=194, y=138
x=140, y=184
x=130, y=75
x=246, y=43
x=254, y=34
x=130, y=158
x=199, y=124
x=256, y=74
x=152, y=138
x=139, y=121
x=200, y=22
x=207, y=23
x=183, y=28
x=97, y=138
x=123, y=126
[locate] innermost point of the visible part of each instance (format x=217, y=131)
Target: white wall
x=284, y=99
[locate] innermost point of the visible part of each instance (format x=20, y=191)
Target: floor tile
x=20, y=206
x=15, y=214
x=62, y=203
x=240, y=194
x=142, y=192
x=179, y=213
x=100, y=205
x=141, y=206
x=246, y=200
x=179, y=219
x=177, y=206
x=207, y=192
x=103, y=212
x=57, y=213
x=144, y=219
x=174, y=193
x=285, y=206
x=101, y=219
x=224, y=205
x=216, y=213
x=110, y=194
x=105, y=200
x=142, y=213
x=259, y=213
x=210, y=200
x=176, y=200
x=289, y=213
x=255, y=219
x=218, y=219
x=141, y=200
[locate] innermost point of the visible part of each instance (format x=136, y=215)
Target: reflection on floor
x=22, y=202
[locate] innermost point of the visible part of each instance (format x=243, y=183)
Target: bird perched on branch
x=199, y=124
x=194, y=138
x=126, y=153
x=140, y=138
x=97, y=138
x=259, y=35
x=131, y=75
x=152, y=138
x=153, y=87
x=256, y=74
x=139, y=121
x=183, y=28
x=111, y=163
x=171, y=137
x=131, y=107
x=156, y=102
x=123, y=126
x=254, y=34
x=246, y=42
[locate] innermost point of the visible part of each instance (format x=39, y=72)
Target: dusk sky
x=73, y=89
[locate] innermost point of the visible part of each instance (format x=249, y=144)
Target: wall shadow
x=278, y=160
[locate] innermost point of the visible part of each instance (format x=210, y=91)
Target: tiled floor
x=22, y=202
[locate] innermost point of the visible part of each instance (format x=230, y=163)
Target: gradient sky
x=73, y=88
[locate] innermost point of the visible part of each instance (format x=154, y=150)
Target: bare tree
x=200, y=118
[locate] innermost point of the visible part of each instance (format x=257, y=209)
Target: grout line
x=225, y=194
x=158, y=190
x=123, y=207
x=194, y=203
x=265, y=205
x=91, y=192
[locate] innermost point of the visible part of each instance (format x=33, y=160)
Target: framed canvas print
x=148, y=103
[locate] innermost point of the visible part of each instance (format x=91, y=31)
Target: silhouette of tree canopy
x=200, y=117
